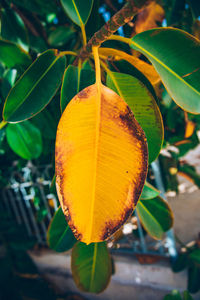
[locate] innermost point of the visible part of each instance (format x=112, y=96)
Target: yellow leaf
x=189, y=129
x=101, y=163
x=147, y=69
x=149, y=17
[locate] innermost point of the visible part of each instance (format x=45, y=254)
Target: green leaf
x=12, y=56
x=59, y=236
x=143, y=106
x=40, y=7
x=35, y=88
x=180, y=263
x=149, y=192
x=187, y=296
x=42, y=119
x=74, y=80
x=91, y=266
x=193, y=278
x=13, y=29
x=78, y=10
x=175, y=55
x=60, y=36
x=175, y=295
x=24, y=139
x=195, y=256
x=155, y=215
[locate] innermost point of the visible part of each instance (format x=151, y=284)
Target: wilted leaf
x=59, y=236
x=35, y=88
x=144, y=67
x=156, y=216
x=189, y=129
x=143, y=106
x=91, y=266
x=24, y=139
x=148, y=17
x=78, y=10
x=176, y=62
x=74, y=80
x=101, y=163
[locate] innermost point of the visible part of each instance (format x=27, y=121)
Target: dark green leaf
x=42, y=119
x=180, y=263
x=174, y=53
x=13, y=29
x=149, y=192
x=175, y=295
x=187, y=296
x=195, y=256
x=36, y=6
x=74, y=81
x=91, y=266
x=60, y=36
x=12, y=56
x=155, y=215
x=24, y=139
x=78, y=10
x=193, y=278
x=35, y=88
x=59, y=236
x=143, y=106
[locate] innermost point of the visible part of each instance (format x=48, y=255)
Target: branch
x=123, y=16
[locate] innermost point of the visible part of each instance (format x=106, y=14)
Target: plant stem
x=62, y=53
x=84, y=35
x=123, y=16
x=97, y=65
x=2, y=124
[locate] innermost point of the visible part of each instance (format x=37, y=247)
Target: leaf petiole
x=2, y=124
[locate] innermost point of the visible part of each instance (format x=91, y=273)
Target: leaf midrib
x=33, y=87
x=94, y=259
x=164, y=66
x=143, y=206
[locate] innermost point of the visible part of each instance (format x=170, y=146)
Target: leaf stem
x=97, y=65
x=84, y=35
x=62, y=53
x=121, y=39
x=2, y=124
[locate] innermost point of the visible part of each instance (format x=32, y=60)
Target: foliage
x=101, y=148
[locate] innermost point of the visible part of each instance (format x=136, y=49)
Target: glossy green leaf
x=74, y=80
x=13, y=29
x=42, y=119
x=78, y=10
x=60, y=36
x=143, y=106
x=91, y=266
x=175, y=55
x=149, y=192
x=24, y=139
x=59, y=236
x=195, y=256
x=155, y=215
x=35, y=88
x=12, y=56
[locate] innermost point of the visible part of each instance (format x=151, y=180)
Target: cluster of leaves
x=26, y=88
x=176, y=295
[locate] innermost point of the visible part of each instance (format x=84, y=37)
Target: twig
x=123, y=16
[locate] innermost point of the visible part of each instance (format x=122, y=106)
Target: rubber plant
x=110, y=129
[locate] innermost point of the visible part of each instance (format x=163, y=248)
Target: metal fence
x=29, y=200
